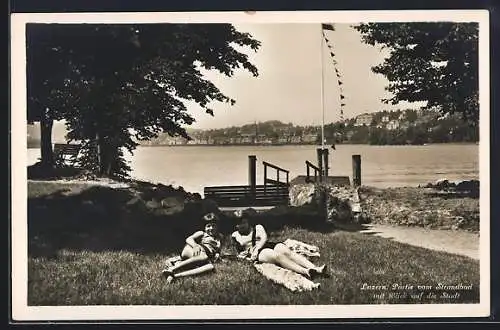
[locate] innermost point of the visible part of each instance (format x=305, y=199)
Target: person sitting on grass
x=202, y=249
x=252, y=244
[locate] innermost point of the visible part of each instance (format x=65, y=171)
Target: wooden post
x=265, y=178
x=356, y=170
x=320, y=163
x=308, y=172
x=325, y=163
x=252, y=173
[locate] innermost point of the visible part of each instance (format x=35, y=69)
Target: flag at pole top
x=328, y=27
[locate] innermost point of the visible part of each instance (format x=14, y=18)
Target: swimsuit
x=246, y=242
x=210, y=244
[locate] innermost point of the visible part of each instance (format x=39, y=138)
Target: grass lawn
x=90, y=268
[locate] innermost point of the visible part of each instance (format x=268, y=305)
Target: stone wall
x=301, y=194
x=342, y=203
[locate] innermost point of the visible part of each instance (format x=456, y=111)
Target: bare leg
x=282, y=249
x=193, y=260
x=187, y=252
x=270, y=256
x=196, y=271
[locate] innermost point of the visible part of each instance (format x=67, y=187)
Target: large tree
x=433, y=62
x=117, y=84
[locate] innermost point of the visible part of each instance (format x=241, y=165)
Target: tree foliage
x=433, y=62
x=119, y=84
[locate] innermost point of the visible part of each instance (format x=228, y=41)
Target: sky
x=288, y=87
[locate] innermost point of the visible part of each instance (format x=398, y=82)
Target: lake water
x=194, y=167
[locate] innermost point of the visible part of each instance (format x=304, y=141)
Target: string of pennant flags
x=330, y=27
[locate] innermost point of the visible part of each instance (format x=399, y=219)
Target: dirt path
x=456, y=242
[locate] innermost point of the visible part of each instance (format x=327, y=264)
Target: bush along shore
x=104, y=242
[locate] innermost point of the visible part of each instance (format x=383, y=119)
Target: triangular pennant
x=342, y=97
x=332, y=54
x=338, y=75
x=326, y=39
x=340, y=83
x=334, y=62
x=328, y=27
x=342, y=104
x=329, y=47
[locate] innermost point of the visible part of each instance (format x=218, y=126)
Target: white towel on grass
x=291, y=280
x=307, y=250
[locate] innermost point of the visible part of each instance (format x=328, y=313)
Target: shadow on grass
x=306, y=216
x=353, y=227
x=38, y=171
x=101, y=218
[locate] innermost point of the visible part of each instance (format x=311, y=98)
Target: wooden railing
x=276, y=182
x=317, y=172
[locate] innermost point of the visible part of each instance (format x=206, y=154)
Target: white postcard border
x=22, y=312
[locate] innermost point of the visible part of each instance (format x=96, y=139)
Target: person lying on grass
x=252, y=244
x=202, y=249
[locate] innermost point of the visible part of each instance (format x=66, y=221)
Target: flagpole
x=322, y=91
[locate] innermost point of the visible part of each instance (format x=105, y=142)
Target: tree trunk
x=101, y=154
x=46, y=141
x=105, y=155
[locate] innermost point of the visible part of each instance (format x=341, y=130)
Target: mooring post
x=252, y=173
x=356, y=170
x=325, y=163
x=319, y=152
x=308, y=172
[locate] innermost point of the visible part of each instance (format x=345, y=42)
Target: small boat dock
x=333, y=180
x=275, y=189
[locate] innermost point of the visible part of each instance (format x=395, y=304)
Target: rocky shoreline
x=429, y=207
x=438, y=205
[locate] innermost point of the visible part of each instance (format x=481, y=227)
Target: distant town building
x=385, y=119
x=404, y=125
x=309, y=138
x=262, y=138
x=393, y=124
x=247, y=138
x=364, y=119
